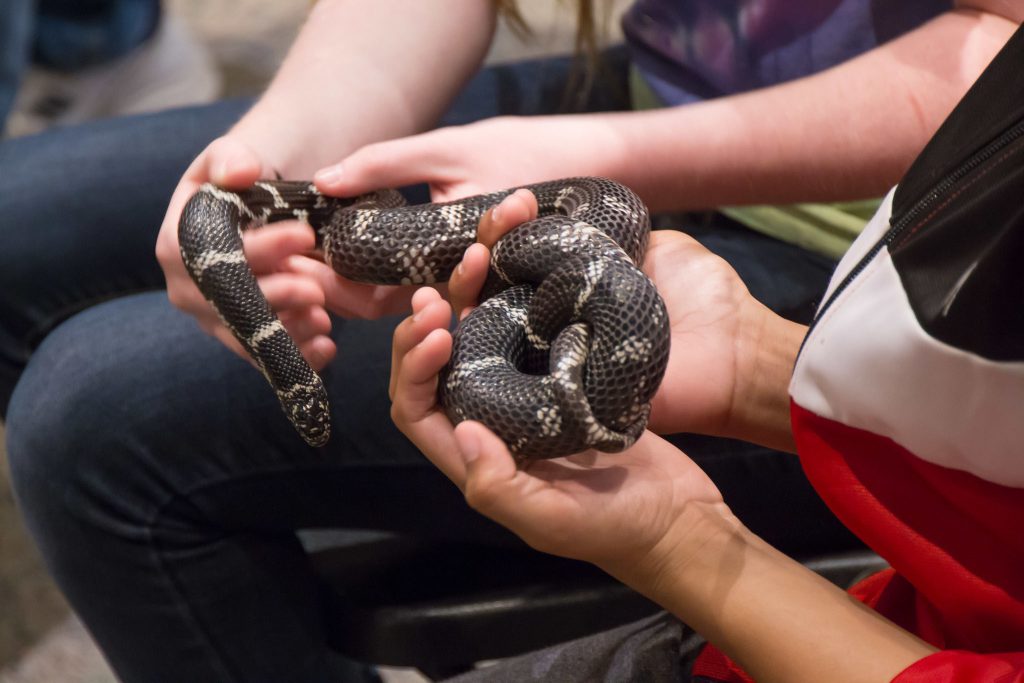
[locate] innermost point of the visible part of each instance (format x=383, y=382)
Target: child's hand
x=615, y=510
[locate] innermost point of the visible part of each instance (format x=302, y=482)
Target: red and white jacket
x=908, y=394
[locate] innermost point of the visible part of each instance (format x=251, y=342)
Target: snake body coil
x=563, y=354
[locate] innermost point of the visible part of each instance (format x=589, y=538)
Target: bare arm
x=366, y=71
x=844, y=133
x=847, y=132
x=774, y=617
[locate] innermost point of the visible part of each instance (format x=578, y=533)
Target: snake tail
x=210, y=238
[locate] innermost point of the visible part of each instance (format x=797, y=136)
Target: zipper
x=937, y=192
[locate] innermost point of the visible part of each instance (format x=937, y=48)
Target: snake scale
x=565, y=351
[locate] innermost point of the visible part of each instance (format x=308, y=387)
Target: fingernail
x=219, y=172
x=329, y=175
x=496, y=213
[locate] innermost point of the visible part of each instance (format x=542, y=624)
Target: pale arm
x=366, y=71
x=847, y=132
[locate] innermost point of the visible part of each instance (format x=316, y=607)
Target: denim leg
x=79, y=213
x=164, y=486
x=15, y=47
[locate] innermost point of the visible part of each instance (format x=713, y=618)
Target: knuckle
x=175, y=297
x=319, y=324
x=481, y=498
x=167, y=252
x=398, y=416
x=293, y=293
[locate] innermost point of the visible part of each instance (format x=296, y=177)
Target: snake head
x=309, y=411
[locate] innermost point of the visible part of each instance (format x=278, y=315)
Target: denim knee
x=102, y=425
x=70, y=440
x=127, y=406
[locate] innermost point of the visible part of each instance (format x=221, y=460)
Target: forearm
x=775, y=618
x=362, y=72
x=844, y=133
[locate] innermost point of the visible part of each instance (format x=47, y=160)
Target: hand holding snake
x=567, y=353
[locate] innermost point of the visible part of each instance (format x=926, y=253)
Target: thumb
x=229, y=162
x=491, y=472
x=395, y=163
x=516, y=208
x=226, y=162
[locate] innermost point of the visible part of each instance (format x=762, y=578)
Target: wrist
x=700, y=530
x=277, y=142
x=767, y=347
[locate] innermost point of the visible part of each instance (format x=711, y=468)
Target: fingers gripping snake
x=563, y=354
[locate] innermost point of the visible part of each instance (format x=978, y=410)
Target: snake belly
x=564, y=353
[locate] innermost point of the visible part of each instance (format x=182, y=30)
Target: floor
x=40, y=642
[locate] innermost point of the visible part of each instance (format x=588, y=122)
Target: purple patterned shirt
x=689, y=50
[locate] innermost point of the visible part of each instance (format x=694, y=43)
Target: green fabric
x=823, y=228
x=640, y=93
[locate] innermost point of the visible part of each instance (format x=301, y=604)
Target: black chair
x=441, y=608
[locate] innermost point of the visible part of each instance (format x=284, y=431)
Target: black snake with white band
x=565, y=351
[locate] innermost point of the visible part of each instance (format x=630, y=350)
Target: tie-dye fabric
x=688, y=50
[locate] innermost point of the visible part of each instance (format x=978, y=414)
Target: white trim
x=870, y=365
x=869, y=236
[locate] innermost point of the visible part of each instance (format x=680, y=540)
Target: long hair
x=592, y=17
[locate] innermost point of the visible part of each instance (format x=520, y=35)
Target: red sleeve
x=957, y=666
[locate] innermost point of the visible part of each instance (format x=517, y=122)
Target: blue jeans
x=68, y=35
x=15, y=46
x=155, y=469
